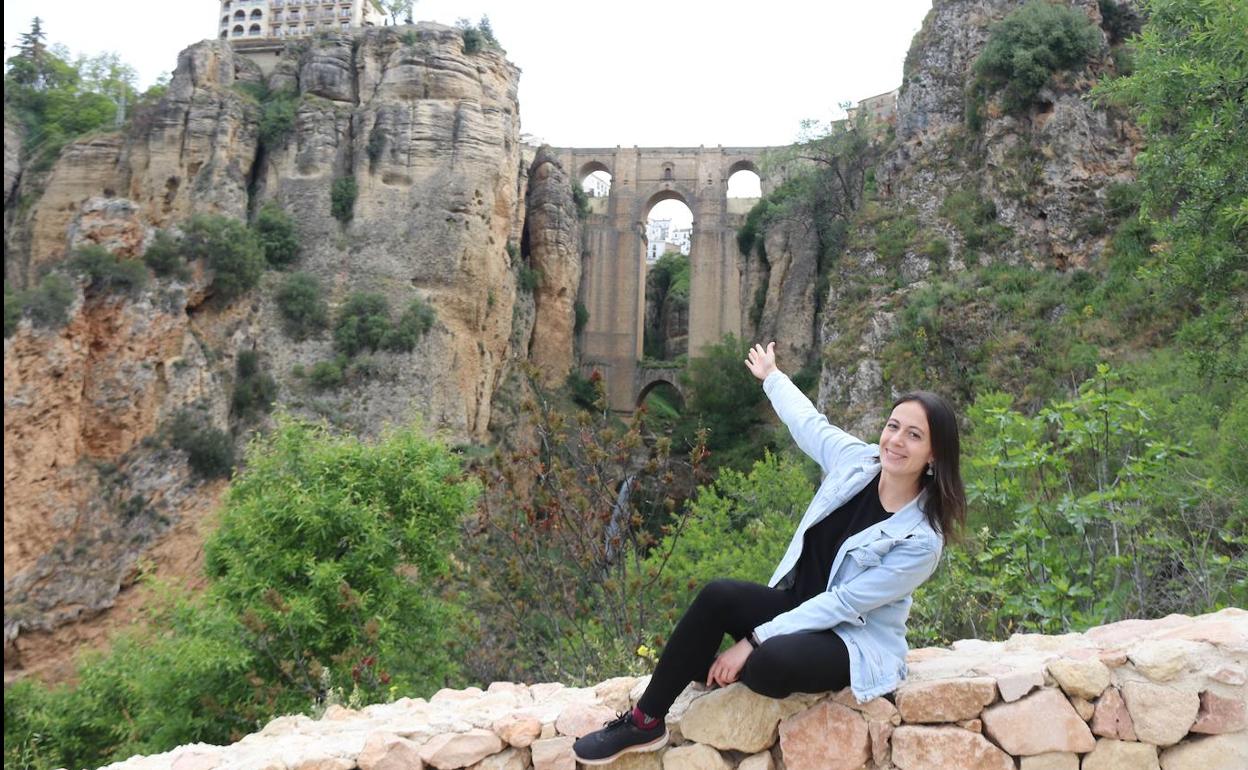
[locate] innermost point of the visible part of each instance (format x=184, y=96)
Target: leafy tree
x=209, y=450
x=362, y=324
x=331, y=552
x=725, y=399
x=277, y=235
x=104, y=271
x=413, y=325
x=164, y=257
x=229, y=249
x=1189, y=92
x=301, y=302
x=48, y=303
x=396, y=9
x=342, y=198
x=1029, y=45
x=254, y=390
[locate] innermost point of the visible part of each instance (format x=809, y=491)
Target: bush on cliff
x=164, y=257
x=47, y=304
x=301, y=303
x=229, y=249
x=276, y=232
x=324, y=585
x=1029, y=45
x=105, y=272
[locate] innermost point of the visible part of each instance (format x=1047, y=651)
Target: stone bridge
x=614, y=267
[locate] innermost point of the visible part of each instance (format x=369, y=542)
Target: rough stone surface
x=1053, y=760
x=1220, y=714
x=1160, y=715
x=553, y=233
x=1083, y=678
x=451, y=751
x=519, y=730
x=1043, y=721
x=510, y=758
x=827, y=736
x=735, y=717
x=1110, y=754
x=760, y=761
x=1215, y=752
x=694, y=756
x=553, y=754
x=387, y=751
x=940, y=748
x=580, y=719
x=1111, y=719
x=945, y=700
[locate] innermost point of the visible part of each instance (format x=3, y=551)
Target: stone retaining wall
x=1165, y=694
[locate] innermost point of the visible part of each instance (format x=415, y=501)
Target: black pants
x=815, y=661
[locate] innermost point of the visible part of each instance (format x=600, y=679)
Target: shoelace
x=623, y=718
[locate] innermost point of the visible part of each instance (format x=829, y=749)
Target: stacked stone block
x=1165, y=694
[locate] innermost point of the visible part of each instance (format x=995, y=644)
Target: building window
x=225, y=33
x=238, y=30
x=346, y=25
x=240, y=14
x=256, y=14
x=254, y=31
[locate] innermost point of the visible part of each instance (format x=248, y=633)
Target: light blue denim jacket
x=868, y=596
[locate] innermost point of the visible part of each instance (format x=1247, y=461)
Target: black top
x=822, y=541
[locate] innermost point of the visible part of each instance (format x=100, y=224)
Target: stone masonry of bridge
x=613, y=276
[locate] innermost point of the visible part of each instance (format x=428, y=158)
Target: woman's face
x=905, y=443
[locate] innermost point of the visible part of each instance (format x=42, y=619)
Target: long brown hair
x=945, y=503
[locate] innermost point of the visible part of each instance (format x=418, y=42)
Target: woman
x=834, y=612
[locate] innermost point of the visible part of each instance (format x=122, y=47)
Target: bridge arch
x=650, y=379
x=614, y=270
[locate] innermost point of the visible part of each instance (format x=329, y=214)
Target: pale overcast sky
x=638, y=72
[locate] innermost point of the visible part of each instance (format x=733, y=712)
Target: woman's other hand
x=727, y=667
x=762, y=362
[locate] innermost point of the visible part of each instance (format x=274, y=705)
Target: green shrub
x=412, y=326
x=376, y=145
x=581, y=317
x=164, y=257
x=1032, y=43
x=328, y=375
x=105, y=272
x=362, y=324
x=342, y=199
x=759, y=305
x=581, y=200
x=936, y=249
x=277, y=118
x=13, y=303
x=48, y=303
x=210, y=451
x=275, y=230
x=477, y=37
x=1119, y=20
x=254, y=390
x=528, y=279
x=229, y=249
x=894, y=236
x=975, y=217
x=301, y=302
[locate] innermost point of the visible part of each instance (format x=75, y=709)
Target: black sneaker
x=619, y=736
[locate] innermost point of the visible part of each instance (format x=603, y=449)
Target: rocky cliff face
x=1044, y=174
x=552, y=240
x=429, y=134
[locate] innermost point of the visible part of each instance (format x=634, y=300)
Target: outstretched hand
x=762, y=362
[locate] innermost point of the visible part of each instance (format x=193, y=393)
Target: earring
x=930, y=472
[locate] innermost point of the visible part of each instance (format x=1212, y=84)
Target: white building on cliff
x=270, y=19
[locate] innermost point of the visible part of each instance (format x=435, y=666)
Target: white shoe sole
x=653, y=745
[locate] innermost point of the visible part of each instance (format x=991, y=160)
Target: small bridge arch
x=651, y=377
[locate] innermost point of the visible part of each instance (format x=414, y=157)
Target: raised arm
x=826, y=444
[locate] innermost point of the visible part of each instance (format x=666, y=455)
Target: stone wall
x=1165, y=694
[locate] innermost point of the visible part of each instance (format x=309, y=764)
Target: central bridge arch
x=614, y=266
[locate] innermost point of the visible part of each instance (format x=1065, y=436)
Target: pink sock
x=643, y=721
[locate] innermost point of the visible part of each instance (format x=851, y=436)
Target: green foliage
x=277, y=118
x=56, y=100
x=1120, y=21
x=362, y=323
x=975, y=217
x=670, y=276
x=13, y=303
x=528, y=279
x=331, y=552
x=554, y=570
x=1188, y=92
x=412, y=326
x=48, y=303
x=581, y=200
x=276, y=233
x=376, y=145
x=894, y=237
x=209, y=450
x=301, y=302
x=738, y=528
x=164, y=257
x=581, y=317
x=1087, y=512
x=725, y=400
x=229, y=249
x=477, y=37
x=254, y=390
x=342, y=198
x=106, y=272
x=329, y=375
x=1029, y=45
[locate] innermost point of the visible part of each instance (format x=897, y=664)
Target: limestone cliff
x=552, y=241
x=430, y=136
x=1042, y=174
